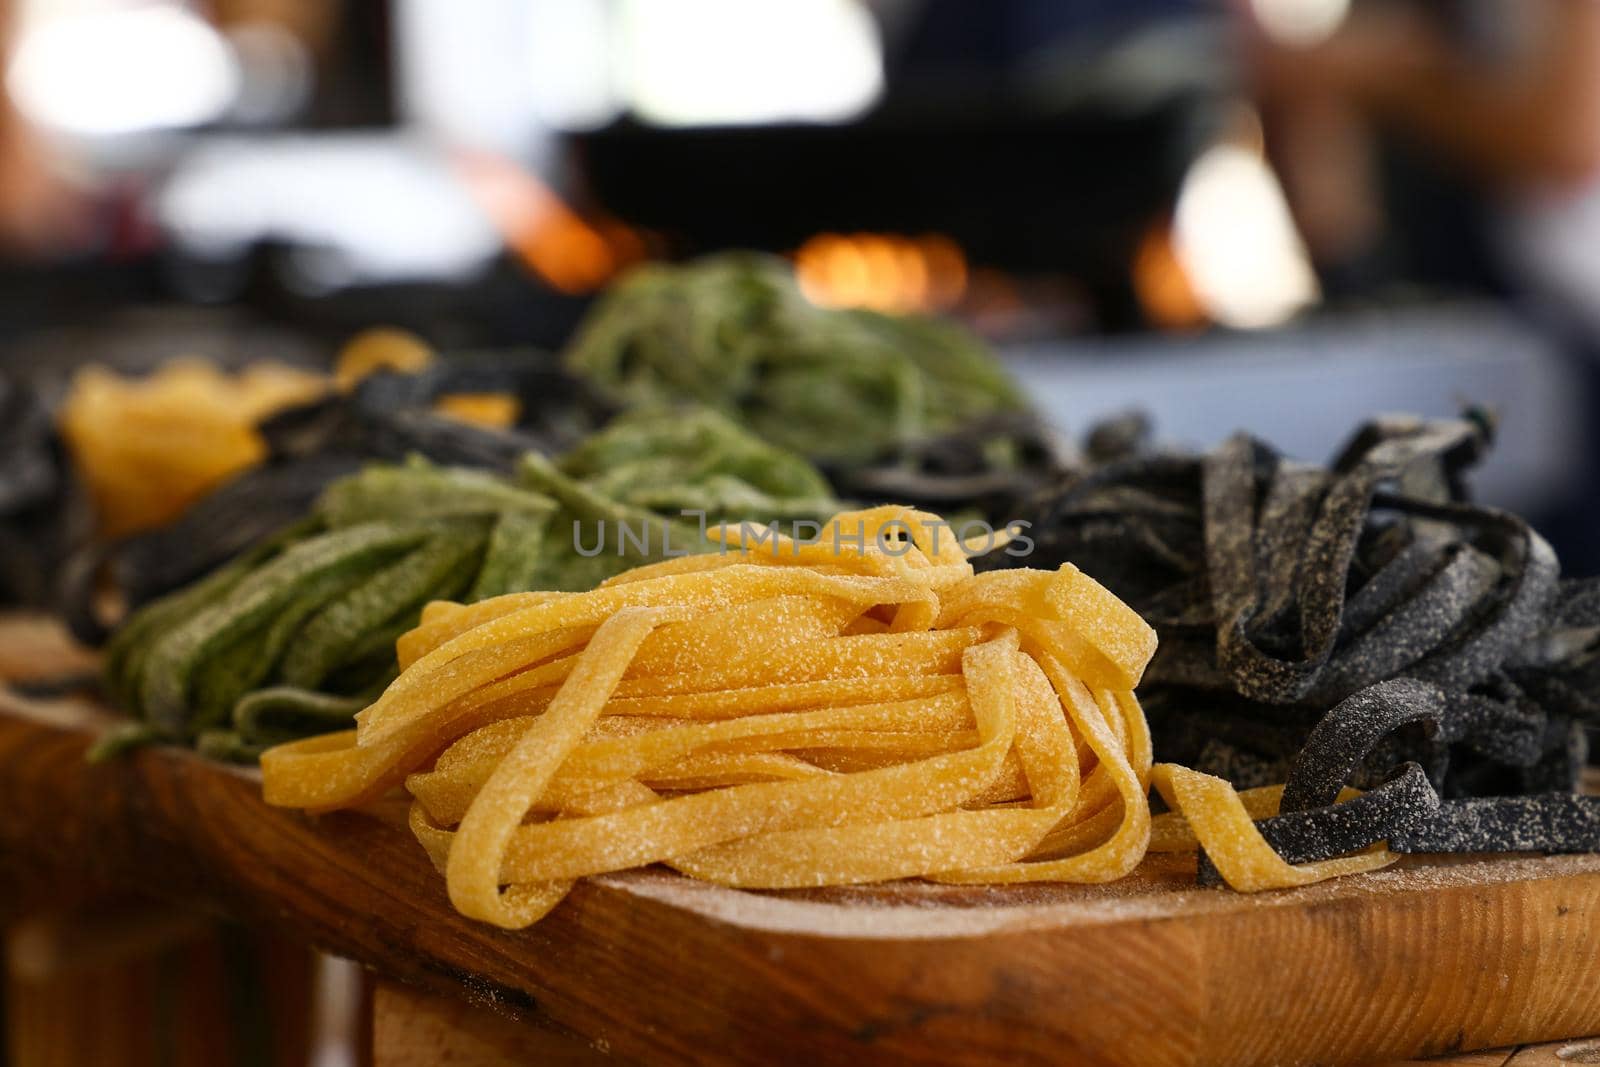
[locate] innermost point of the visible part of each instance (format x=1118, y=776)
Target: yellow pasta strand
x=1242, y=856
x=472, y=869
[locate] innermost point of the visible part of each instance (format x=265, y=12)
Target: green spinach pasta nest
x=734, y=332
x=296, y=634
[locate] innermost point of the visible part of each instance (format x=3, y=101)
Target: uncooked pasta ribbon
x=851, y=708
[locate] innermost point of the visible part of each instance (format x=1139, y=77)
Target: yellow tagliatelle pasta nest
x=149, y=447
x=856, y=708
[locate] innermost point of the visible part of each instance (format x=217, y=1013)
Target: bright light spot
x=886, y=272
x=121, y=72
x=725, y=62
x=463, y=71
x=569, y=64
x=1237, y=243
x=1300, y=23
x=370, y=208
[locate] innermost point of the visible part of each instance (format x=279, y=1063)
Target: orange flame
x=882, y=271
x=571, y=254
x=1162, y=284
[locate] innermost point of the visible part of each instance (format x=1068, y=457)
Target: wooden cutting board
x=1422, y=959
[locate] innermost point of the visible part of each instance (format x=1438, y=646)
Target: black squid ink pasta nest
x=1362, y=624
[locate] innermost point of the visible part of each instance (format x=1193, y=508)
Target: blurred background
x=1282, y=215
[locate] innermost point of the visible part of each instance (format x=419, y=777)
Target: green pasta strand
x=329, y=637
x=223, y=679
x=125, y=653
x=420, y=490
x=164, y=686
x=284, y=710
x=511, y=558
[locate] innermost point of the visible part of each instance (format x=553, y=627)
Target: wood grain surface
x=1425, y=959
x=414, y=1028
